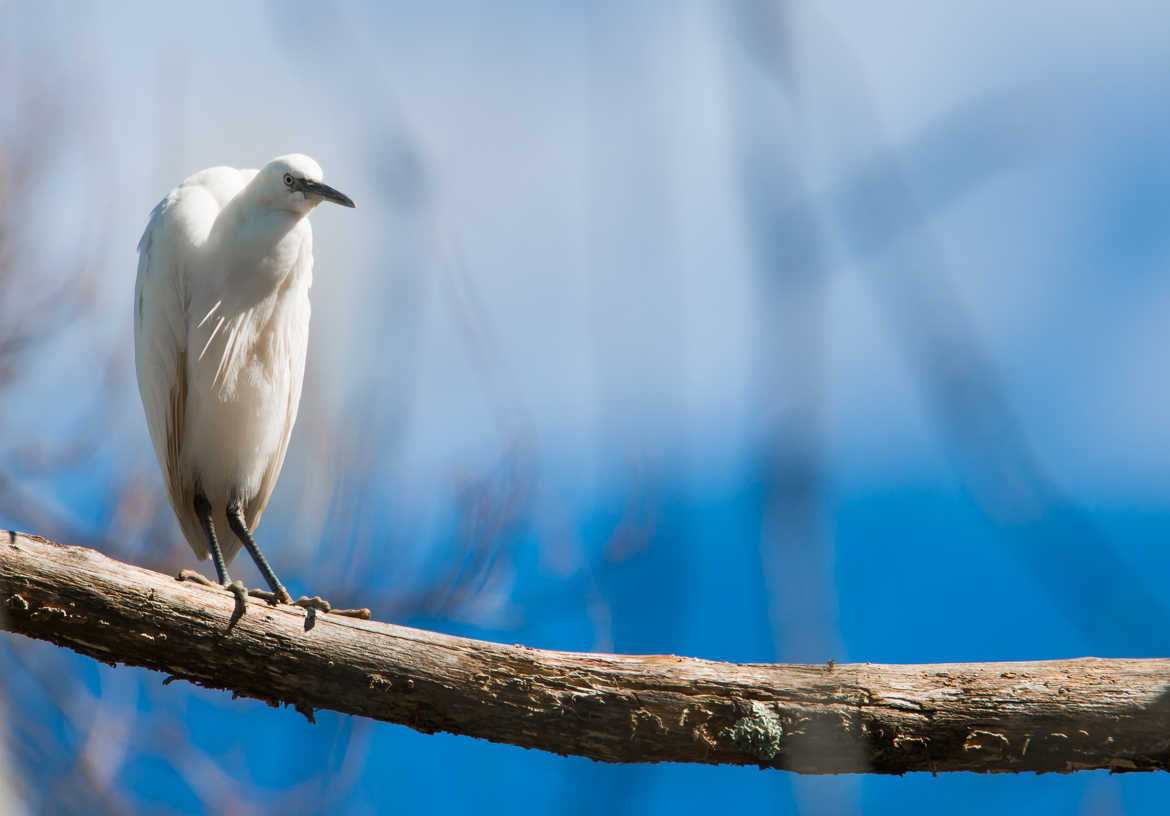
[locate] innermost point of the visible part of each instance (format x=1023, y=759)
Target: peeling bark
x=1007, y=717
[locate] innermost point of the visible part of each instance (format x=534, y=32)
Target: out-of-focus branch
x=1043, y=716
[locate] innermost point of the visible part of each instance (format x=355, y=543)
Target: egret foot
x=195, y=578
x=321, y=605
x=362, y=614
x=236, y=587
x=274, y=598
x=316, y=603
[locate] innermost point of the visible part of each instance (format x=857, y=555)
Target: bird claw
x=236, y=587
x=319, y=604
x=272, y=597
x=195, y=578
x=362, y=613
x=316, y=602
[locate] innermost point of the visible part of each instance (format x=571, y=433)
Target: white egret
x=221, y=327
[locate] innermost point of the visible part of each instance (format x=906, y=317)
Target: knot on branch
x=758, y=732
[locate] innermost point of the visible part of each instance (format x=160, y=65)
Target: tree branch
x=1038, y=716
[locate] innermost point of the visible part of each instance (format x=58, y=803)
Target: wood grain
x=1007, y=717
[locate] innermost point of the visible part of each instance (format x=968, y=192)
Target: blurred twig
x=884, y=220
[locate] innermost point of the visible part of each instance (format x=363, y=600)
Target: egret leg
x=235, y=516
x=203, y=513
x=279, y=594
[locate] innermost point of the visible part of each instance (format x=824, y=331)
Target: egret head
x=293, y=183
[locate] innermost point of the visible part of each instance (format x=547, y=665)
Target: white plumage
x=221, y=328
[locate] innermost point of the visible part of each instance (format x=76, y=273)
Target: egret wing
x=168, y=254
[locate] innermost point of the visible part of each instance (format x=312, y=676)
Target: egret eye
x=288, y=180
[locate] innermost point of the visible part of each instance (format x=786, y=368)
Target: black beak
x=326, y=192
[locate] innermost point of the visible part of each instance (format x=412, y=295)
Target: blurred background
x=748, y=330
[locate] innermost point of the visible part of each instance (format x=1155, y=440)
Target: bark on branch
x=1037, y=716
